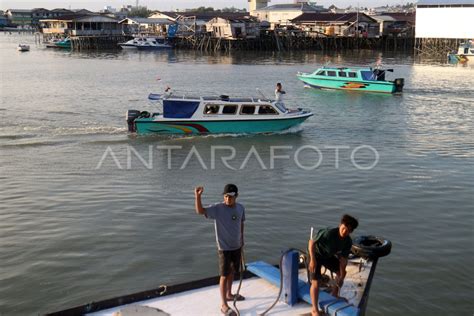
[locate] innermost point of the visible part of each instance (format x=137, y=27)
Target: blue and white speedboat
x=212, y=115
x=146, y=43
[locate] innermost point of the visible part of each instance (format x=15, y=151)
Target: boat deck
x=259, y=295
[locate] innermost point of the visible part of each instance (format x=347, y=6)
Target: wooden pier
x=79, y=43
x=436, y=47
x=289, y=41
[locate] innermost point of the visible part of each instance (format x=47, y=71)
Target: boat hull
x=348, y=85
x=151, y=126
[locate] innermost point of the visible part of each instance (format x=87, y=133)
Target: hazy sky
x=171, y=4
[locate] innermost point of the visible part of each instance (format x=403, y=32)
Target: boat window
x=266, y=109
x=321, y=73
x=331, y=73
x=211, y=109
x=342, y=74
x=247, y=109
x=229, y=109
x=352, y=75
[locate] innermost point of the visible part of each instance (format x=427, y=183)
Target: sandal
x=237, y=297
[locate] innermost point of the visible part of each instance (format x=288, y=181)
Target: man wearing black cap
x=229, y=218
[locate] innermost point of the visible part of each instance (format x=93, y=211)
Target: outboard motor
x=399, y=82
x=131, y=116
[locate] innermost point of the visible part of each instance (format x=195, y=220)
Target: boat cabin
x=366, y=74
x=209, y=107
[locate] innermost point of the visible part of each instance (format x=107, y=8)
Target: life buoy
x=371, y=247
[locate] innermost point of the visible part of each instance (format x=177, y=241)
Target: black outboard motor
x=399, y=82
x=131, y=116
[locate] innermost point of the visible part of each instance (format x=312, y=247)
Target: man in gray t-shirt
x=229, y=218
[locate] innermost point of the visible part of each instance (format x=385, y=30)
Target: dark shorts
x=229, y=259
x=331, y=264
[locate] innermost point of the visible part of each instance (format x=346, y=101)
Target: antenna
x=261, y=93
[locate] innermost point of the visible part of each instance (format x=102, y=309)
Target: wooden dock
x=289, y=41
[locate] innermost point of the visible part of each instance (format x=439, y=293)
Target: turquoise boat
x=65, y=43
x=214, y=115
x=352, y=79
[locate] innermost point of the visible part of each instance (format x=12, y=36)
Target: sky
x=166, y=5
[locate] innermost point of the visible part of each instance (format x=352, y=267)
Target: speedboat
x=23, y=47
x=280, y=289
x=364, y=79
x=215, y=114
x=146, y=43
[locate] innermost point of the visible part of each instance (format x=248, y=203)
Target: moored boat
x=23, y=47
x=64, y=43
x=146, y=43
x=211, y=115
x=463, y=54
x=365, y=79
x=282, y=289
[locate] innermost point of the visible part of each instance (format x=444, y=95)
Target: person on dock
x=279, y=93
x=330, y=248
x=229, y=218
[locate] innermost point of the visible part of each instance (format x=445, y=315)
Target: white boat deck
x=259, y=295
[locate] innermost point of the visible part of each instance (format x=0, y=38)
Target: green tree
x=141, y=12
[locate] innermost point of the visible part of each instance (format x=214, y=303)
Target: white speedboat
x=146, y=43
x=23, y=48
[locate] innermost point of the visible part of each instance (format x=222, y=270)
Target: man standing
x=229, y=218
x=330, y=248
x=279, y=93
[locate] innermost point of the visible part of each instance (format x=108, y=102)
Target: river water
x=89, y=212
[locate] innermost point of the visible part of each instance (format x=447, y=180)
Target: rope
x=242, y=268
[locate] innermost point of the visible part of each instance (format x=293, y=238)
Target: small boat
x=65, y=43
x=215, y=114
x=23, y=47
x=364, y=79
x=465, y=50
x=268, y=289
x=146, y=43
x=59, y=43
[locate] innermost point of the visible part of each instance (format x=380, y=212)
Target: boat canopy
x=179, y=108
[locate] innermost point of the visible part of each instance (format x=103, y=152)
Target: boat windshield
x=368, y=75
x=281, y=107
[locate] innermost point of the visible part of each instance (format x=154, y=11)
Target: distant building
x=244, y=27
x=338, y=24
x=282, y=14
x=257, y=5
x=445, y=19
x=19, y=16
x=195, y=22
x=83, y=25
x=3, y=19
x=385, y=23
x=145, y=26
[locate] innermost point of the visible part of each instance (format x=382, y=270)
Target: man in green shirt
x=330, y=248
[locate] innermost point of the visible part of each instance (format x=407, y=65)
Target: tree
x=141, y=12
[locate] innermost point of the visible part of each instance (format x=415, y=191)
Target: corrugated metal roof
x=384, y=18
x=330, y=17
x=20, y=10
x=441, y=2
x=290, y=6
